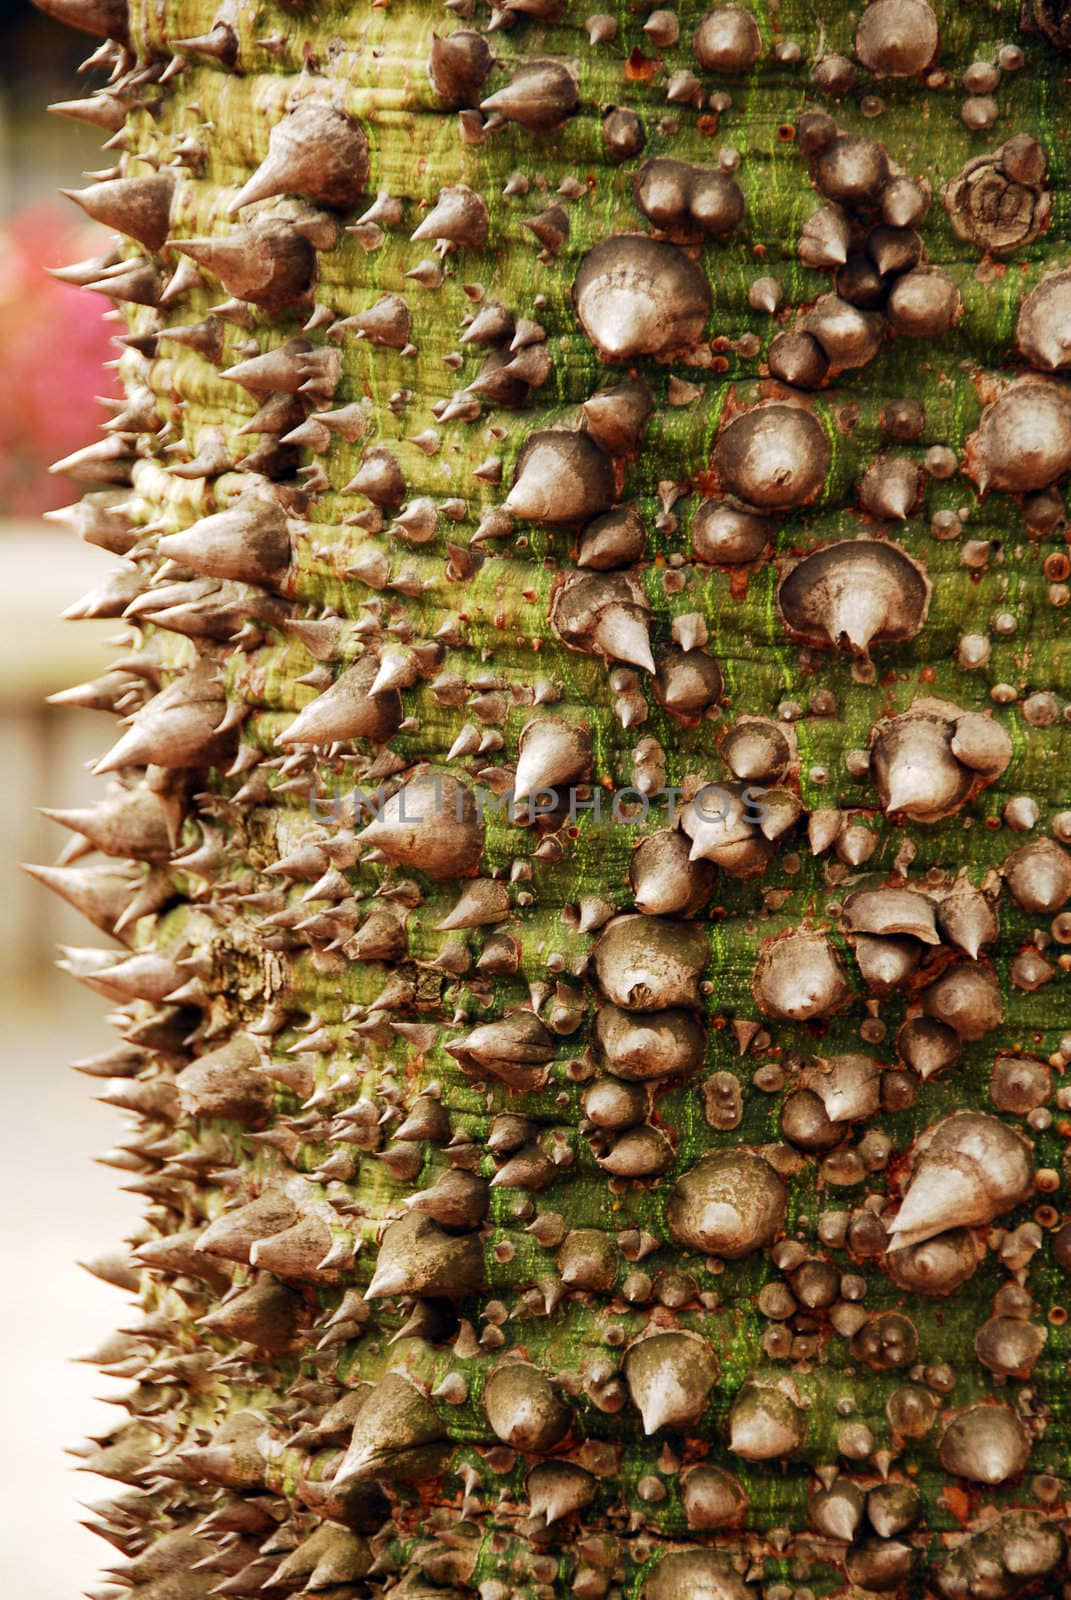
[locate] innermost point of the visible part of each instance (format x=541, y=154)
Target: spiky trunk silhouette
x=593, y=996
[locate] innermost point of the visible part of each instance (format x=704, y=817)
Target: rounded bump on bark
x=617, y=418
x=814, y=130
x=836, y=1512
x=936, y=1266
x=458, y=64
x=799, y=977
x=1017, y=1549
x=773, y=456
x=896, y=38
x=849, y=1086
x=1043, y=331
x=967, y=918
x=905, y=201
x=967, y=1169
x=622, y=133
x=1039, y=877
x=798, y=359
x=670, y=1378
x=757, y=750
x=673, y=195
x=724, y=829
x=825, y=239
x=560, y=477
x=558, y=1489
x=981, y=744
x=927, y=761
x=588, y=1260
x=728, y=535
x=610, y=1103
x=851, y=170
x=924, y=303
x=854, y=594
x=643, y=1046
x=893, y=250
x=616, y=539
x=984, y=1443
x=805, y=1123
x=715, y=202
x=885, y=965
x=727, y=41
x=835, y=75
x=1010, y=1347
x=524, y=1408
x=886, y=1342
x=1023, y=440
x=966, y=998
x=712, y=1498
x=1023, y=158
x=860, y=283
x=660, y=190
x=887, y=911
x=516, y=1049
x=695, y=1574
x=650, y=963
x=880, y=1565
x=893, y=1507
x=766, y=1423
x=687, y=683
x=849, y=335
x=927, y=1046
x=636, y=296
x=664, y=880
x=729, y=1204
x=903, y=419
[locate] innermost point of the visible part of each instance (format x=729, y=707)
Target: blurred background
x=57, y=1206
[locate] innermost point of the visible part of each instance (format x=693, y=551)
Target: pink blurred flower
x=53, y=341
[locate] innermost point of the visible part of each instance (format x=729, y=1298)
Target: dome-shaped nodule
x=637, y=296
x=730, y=1204
x=855, y=593
x=774, y=456
x=968, y=1169
x=697, y=1574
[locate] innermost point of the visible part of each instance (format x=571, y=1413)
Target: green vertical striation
x=586, y=841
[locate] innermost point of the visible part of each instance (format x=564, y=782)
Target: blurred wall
x=56, y=1206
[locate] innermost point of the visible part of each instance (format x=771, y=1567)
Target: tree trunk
x=589, y=966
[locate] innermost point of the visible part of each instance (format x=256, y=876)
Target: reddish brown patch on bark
x=639, y=68
x=958, y=1502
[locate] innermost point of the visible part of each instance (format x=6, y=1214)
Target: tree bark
x=590, y=974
